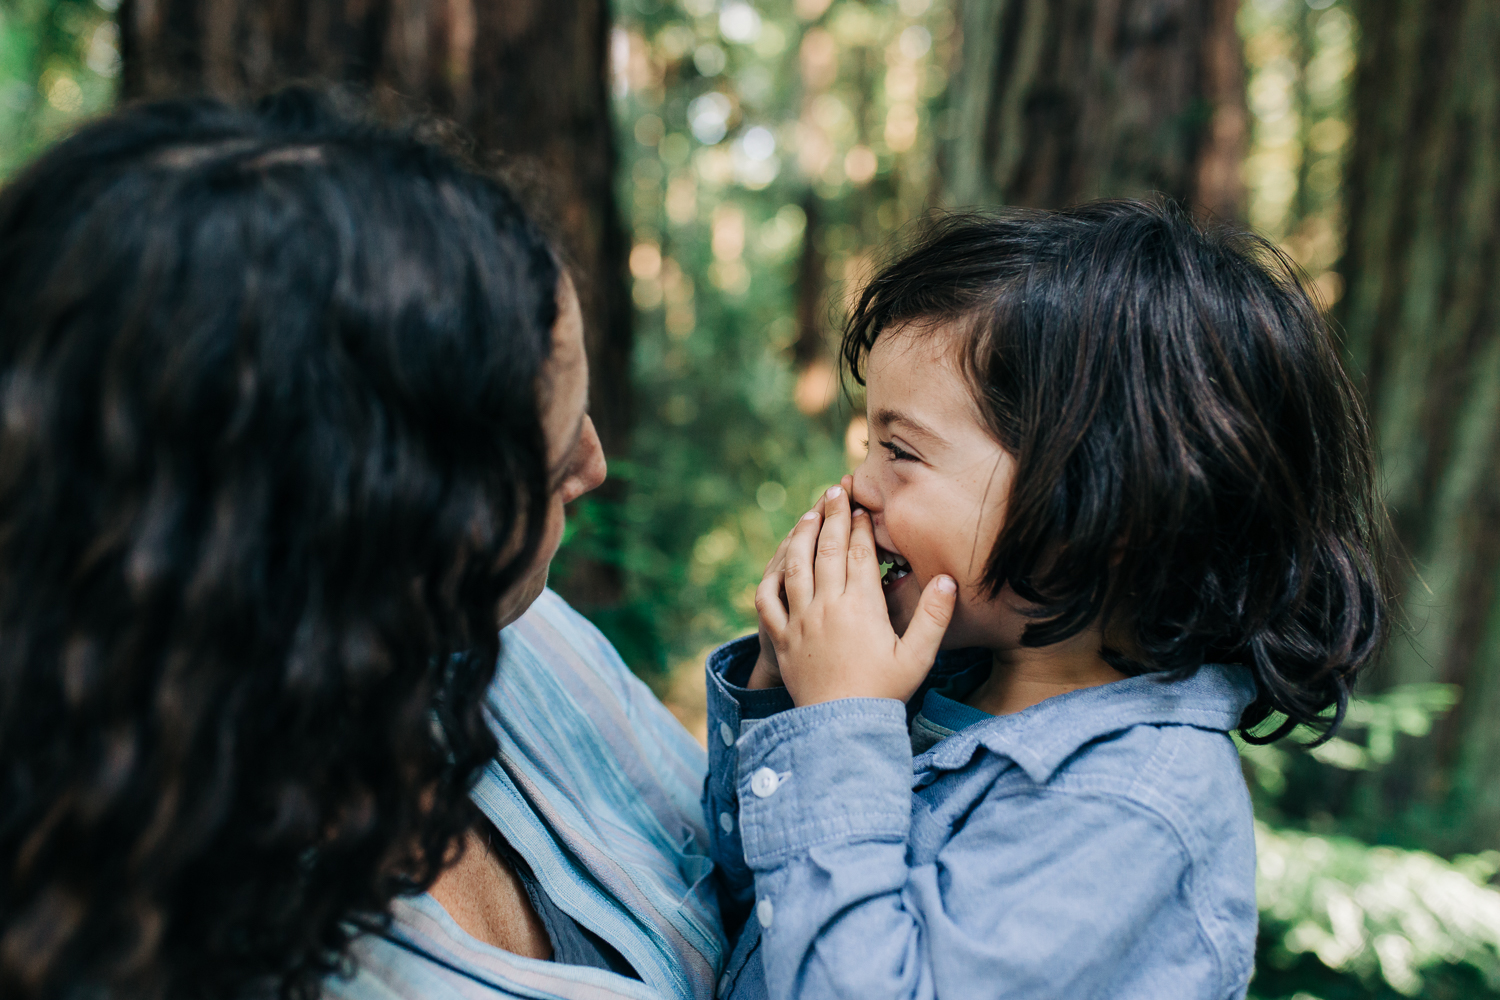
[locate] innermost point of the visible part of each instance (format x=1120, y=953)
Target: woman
x=290, y=407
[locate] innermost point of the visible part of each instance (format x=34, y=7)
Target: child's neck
x=1025, y=676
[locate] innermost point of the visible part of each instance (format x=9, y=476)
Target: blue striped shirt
x=597, y=787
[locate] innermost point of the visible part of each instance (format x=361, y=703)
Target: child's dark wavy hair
x=271, y=452
x=1191, y=459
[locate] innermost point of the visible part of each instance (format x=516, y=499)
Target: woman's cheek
x=557, y=520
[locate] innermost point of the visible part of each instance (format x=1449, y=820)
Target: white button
x=726, y=734
x=764, y=912
x=764, y=782
x=726, y=822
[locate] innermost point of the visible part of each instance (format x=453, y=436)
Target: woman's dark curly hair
x=1191, y=460
x=270, y=455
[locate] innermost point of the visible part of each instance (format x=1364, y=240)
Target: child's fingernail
x=809, y=515
x=859, y=512
x=834, y=491
x=945, y=585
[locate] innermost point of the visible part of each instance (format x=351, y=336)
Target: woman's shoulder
x=560, y=679
x=597, y=781
x=553, y=634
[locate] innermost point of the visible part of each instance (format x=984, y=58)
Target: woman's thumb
x=924, y=635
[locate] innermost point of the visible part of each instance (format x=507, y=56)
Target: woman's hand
x=832, y=636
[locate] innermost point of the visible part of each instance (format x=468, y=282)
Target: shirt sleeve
x=1038, y=894
x=731, y=709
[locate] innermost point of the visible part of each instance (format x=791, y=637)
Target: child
x=1117, y=472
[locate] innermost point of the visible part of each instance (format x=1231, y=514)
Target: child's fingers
x=830, y=570
x=864, y=566
x=776, y=569
x=797, y=567
x=768, y=604
x=778, y=561
x=924, y=636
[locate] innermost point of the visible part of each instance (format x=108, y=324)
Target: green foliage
x=1405, y=710
x=767, y=149
x=1299, y=57
x=1388, y=918
x=1342, y=918
x=58, y=63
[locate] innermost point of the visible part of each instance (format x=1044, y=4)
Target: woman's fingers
x=797, y=567
x=830, y=571
x=864, y=567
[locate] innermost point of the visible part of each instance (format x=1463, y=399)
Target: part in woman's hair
x=270, y=455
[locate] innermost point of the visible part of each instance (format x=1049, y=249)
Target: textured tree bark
x=1422, y=299
x=1061, y=101
x=809, y=345
x=525, y=79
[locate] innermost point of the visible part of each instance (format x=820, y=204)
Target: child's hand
x=832, y=638
x=767, y=671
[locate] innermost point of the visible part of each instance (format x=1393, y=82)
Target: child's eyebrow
x=886, y=417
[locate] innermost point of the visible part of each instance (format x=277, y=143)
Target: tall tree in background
x=1061, y=101
x=1421, y=307
x=525, y=79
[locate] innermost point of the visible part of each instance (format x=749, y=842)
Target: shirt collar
x=1041, y=737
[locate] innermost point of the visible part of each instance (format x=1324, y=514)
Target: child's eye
x=897, y=453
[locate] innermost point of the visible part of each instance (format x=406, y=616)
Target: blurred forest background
x=725, y=173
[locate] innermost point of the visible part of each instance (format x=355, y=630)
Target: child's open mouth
x=893, y=568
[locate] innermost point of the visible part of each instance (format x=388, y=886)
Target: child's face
x=935, y=484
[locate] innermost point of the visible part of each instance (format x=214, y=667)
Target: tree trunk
x=1422, y=279
x=525, y=79
x=1062, y=101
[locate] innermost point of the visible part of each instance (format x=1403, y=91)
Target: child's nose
x=863, y=491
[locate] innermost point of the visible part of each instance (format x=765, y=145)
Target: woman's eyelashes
x=897, y=453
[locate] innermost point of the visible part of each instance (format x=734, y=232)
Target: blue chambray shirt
x=1098, y=844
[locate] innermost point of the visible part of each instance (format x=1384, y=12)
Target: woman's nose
x=592, y=467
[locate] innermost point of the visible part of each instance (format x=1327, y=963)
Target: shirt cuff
x=732, y=709
x=729, y=669
x=835, y=771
